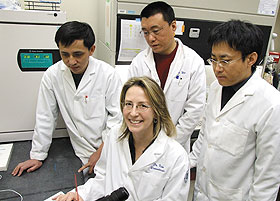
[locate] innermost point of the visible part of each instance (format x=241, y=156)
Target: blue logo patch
x=158, y=167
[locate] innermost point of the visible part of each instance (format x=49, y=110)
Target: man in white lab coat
x=178, y=69
x=86, y=92
x=237, y=150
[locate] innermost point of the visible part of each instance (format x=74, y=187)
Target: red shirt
x=163, y=65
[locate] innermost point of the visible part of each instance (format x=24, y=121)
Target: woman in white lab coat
x=140, y=154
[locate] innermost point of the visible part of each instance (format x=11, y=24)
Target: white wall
x=84, y=10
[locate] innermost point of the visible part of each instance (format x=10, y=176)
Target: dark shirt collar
x=77, y=78
x=229, y=91
x=237, y=86
x=172, y=54
x=132, y=147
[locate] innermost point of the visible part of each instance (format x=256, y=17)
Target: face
x=234, y=72
x=76, y=56
x=138, y=122
x=159, y=34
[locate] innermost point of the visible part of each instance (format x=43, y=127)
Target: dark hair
x=239, y=35
x=159, y=7
x=74, y=30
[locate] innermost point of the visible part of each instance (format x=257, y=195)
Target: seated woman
x=140, y=154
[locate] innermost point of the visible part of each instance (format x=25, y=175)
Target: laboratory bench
x=55, y=175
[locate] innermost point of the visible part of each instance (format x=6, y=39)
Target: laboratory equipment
x=27, y=50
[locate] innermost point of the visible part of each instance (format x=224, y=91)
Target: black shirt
x=228, y=92
x=77, y=78
x=132, y=147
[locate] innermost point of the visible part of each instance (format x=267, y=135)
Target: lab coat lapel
x=149, y=61
x=240, y=96
x=175, y=67
x=126, y=152
x=68, y=77
x=217, y=96
x=152, y=154
x=86, y=79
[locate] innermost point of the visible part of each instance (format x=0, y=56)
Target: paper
x=267, y=7
x=180, y=28
x=132, y=41
x=50, y=198
x=5, y=155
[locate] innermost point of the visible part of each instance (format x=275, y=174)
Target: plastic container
x=275, y=55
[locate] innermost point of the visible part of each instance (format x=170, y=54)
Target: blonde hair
x=158, y=103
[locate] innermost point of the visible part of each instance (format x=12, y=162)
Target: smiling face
x=237, y=70
x=160, y=35
x=138, y=122
x=76, y=56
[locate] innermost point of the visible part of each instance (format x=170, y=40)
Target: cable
x=11, y=190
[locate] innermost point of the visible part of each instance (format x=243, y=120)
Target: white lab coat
x=185, y=87
x=160, y=173
x=237, y=151
x=88, y=111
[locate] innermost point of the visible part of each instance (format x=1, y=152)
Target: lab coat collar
x=152, y=154
x=246, y=91
x=85, y=79
x=90, y=71
x=150, y=63
x=175, y=66
x=66, y=73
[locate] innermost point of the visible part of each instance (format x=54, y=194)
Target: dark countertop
x=56, y=174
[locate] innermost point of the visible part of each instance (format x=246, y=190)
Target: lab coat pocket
x=233, y=139
x=220, y=193
x=151, y=186
x=94, y=106
x=178, y=91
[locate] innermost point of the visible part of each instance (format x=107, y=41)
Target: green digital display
x=36, y=60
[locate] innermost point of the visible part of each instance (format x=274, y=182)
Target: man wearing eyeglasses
x=237, y=150
x=178, y=69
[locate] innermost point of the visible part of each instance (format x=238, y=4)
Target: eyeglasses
x=140, y=107
x=154, y=32
x=221, y=63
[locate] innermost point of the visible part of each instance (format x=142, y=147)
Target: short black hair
x=239, y=35
x=74, y=30
x=159, y=7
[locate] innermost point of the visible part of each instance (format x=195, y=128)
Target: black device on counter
x=120, y=194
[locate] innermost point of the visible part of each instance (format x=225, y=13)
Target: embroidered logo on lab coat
x=179, y=77
x=158, y=167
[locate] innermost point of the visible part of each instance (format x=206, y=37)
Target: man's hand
x=30, y=165
x=92, y=160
